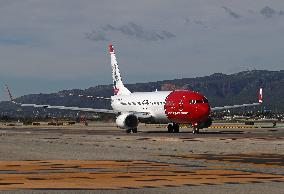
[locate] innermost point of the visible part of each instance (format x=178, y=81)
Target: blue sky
x=49, y=45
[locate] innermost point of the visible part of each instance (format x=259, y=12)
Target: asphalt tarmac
x=101, y=158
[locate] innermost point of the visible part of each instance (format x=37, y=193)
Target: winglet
x=9, y=93
x=260, y=96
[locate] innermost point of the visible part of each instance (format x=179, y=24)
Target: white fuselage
x=148, y=102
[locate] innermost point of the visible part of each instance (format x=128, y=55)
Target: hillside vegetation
x=220, y=89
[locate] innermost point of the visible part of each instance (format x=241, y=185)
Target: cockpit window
x=205, y=100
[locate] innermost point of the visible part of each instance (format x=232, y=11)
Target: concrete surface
x=101, y=158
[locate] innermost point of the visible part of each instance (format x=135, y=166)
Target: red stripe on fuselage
x=180, y=109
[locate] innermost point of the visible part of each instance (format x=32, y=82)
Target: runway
x=103, y=159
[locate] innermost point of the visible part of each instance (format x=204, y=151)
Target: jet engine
x=206, y=124
x=127, y=121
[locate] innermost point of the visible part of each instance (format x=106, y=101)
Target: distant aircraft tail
x=260, y=96
x=118, y=86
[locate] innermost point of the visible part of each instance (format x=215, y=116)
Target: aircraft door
x=145, y=104
x=180, y=105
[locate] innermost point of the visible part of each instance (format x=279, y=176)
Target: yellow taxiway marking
x=93, y=174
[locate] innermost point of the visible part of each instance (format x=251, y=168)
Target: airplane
x=169, y=107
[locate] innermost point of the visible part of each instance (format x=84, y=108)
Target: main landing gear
x=134, y=130
x=173, y=128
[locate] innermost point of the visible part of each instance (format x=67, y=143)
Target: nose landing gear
x=195, y=128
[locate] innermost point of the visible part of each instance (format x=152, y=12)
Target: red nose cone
x=187, y=107
x=204, y=110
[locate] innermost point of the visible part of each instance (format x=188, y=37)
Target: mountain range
x=220, y=89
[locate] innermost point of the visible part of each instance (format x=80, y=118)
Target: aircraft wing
x=142, y=115
x=234, y=106
x=61, y=107
x=68, y=108
x=260, y=100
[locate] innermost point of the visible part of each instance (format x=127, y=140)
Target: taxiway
x=101, y=158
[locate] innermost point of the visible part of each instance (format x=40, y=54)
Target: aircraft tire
x=128, y=130
x=195, y=131
x=170, y=128
x=134, y=130
x=176, y=128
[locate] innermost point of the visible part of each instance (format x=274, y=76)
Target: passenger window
x=129, y=103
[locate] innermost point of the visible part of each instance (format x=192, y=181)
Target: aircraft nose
x=205, y=109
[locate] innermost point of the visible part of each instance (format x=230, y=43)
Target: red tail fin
x=111, y=49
